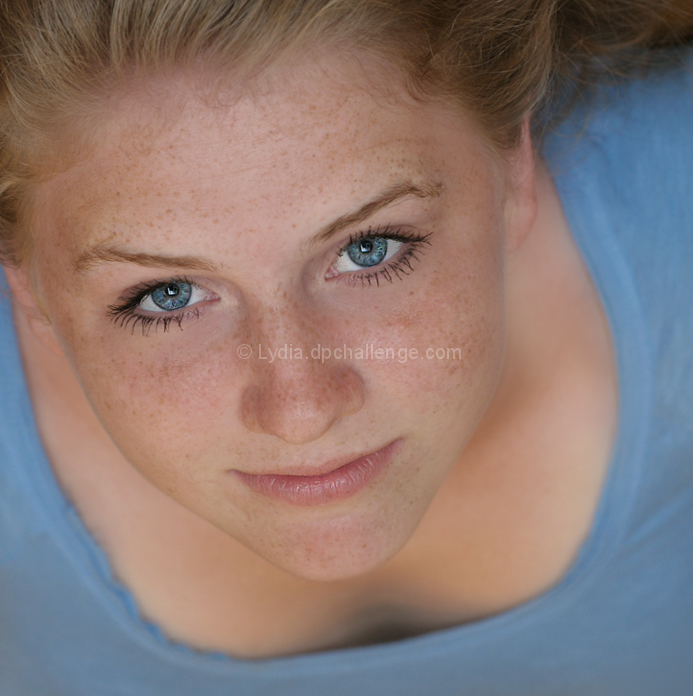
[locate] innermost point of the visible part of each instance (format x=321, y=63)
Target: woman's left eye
x=365, y=253
x=381, y=253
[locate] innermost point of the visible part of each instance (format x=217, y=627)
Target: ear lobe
x=29, y=310
x=521, y=198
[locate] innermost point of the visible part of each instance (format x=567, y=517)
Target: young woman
x=321, y=372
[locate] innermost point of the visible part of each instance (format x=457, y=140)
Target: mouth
x=319, y=489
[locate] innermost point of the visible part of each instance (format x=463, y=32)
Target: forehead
x=291, y=150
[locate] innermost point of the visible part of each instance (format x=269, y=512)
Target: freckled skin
x=246, y=185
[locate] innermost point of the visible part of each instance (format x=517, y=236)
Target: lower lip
x=319, y=490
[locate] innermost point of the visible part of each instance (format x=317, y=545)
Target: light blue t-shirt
x=620, y=621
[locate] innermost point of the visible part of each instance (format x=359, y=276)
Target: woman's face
x=353, y=244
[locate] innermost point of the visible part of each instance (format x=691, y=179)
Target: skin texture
x=183, y=407
x=242, y=185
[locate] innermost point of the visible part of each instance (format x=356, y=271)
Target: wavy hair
x=498, y=59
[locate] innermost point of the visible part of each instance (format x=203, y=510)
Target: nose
x=297, y=396
x=299, y=400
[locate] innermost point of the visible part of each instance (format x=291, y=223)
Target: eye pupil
x=368, y=252
x=172, y=296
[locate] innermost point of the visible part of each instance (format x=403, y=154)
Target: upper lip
x=321, y=469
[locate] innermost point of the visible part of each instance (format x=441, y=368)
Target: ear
x=29, y=310
x=521, y=198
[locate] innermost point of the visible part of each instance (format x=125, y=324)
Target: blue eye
x=172, y=296
x=368, y=251
x=158, y=304
x=383, y=252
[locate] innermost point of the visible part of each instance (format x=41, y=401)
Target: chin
x=336, y=549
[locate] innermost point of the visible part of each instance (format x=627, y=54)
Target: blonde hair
x=496, y=58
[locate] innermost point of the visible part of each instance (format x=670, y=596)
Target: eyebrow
x=101, y=253
x=403, y=189
x=105, y=254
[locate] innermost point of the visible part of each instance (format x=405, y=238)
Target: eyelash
x=125, y=314
x=413, y=244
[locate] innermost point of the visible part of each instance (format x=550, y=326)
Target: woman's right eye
x=158, y=304
x=172, y=296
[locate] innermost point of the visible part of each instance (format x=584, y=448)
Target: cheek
x=459, y=346
x=446, y=342
x=456, y=323
x=163, y=398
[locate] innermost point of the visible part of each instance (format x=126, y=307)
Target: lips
x=320, y=489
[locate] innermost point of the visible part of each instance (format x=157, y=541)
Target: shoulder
x=623, y=165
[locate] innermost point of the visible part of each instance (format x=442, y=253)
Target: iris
x=368, y=251
x=172, y=296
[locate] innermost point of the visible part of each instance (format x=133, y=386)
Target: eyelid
x=387, y=232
